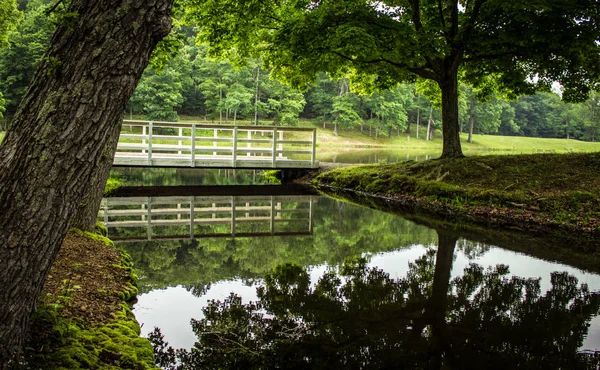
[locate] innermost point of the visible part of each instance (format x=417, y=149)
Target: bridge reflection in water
x=131, y=219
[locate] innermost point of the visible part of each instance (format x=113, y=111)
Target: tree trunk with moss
x=62, y=141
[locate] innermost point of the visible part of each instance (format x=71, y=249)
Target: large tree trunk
x=62, y=137
x=450, y=131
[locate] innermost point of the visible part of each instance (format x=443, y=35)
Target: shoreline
x=563, y=204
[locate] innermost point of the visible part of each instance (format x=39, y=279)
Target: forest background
x=192, y=85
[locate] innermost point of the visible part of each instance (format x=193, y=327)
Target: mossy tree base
x=84, y=318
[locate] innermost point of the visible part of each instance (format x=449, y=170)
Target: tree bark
x=87, y=210
x=63, y=136
x=450, y=131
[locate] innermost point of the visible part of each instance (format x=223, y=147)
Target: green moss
x=101, y=229
x=94, y=236
x=62, y=343
x=112, y=184
x=116, y=345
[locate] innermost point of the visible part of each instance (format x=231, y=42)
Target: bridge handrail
x=200, y=125
x=187, y=151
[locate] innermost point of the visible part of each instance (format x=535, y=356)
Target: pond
x=338, y=284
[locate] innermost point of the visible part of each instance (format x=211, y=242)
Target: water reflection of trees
x=186, y=176
x=339, y=232
x=358, y=317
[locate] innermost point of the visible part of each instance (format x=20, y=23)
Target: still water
x=338, y=284
x=340, y=276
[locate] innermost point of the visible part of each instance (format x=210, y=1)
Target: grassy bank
x=530, y=192
x=84, y=318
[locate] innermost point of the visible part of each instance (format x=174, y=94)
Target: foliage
x=27, y=44
x=524, y=46
x=185, y=79
x=8, y=17
x=157, y=95
x=359, y=317
x=113, y=183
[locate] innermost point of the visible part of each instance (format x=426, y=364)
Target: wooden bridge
x=175, y=144
x=134, y=219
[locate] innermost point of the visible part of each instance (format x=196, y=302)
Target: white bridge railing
x=177, y=144
x=182, y=217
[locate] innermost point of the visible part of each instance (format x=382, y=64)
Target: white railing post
x=272, y=225
x=150, y=143
x=233, y=217
x=249, y=145
x=310, y=214
x=180, y=135
x=280, y=145
x=313, y=148
x=274, y=147
x=192, y=217
x=215, y=135
x=149, y=218
x=234, y=150
x=105, y=209
x=193, y=145
x=144, y=139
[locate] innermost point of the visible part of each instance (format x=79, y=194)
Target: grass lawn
x=482, y=144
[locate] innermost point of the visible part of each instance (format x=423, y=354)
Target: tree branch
x=472, y=20
x=441, y=10
x=492, y=56
x=416, y=16
x=454, y=17
x=423, y=72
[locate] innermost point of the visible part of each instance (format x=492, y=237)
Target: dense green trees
x=194, y=84
x=23, y=50
x=524, y=45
